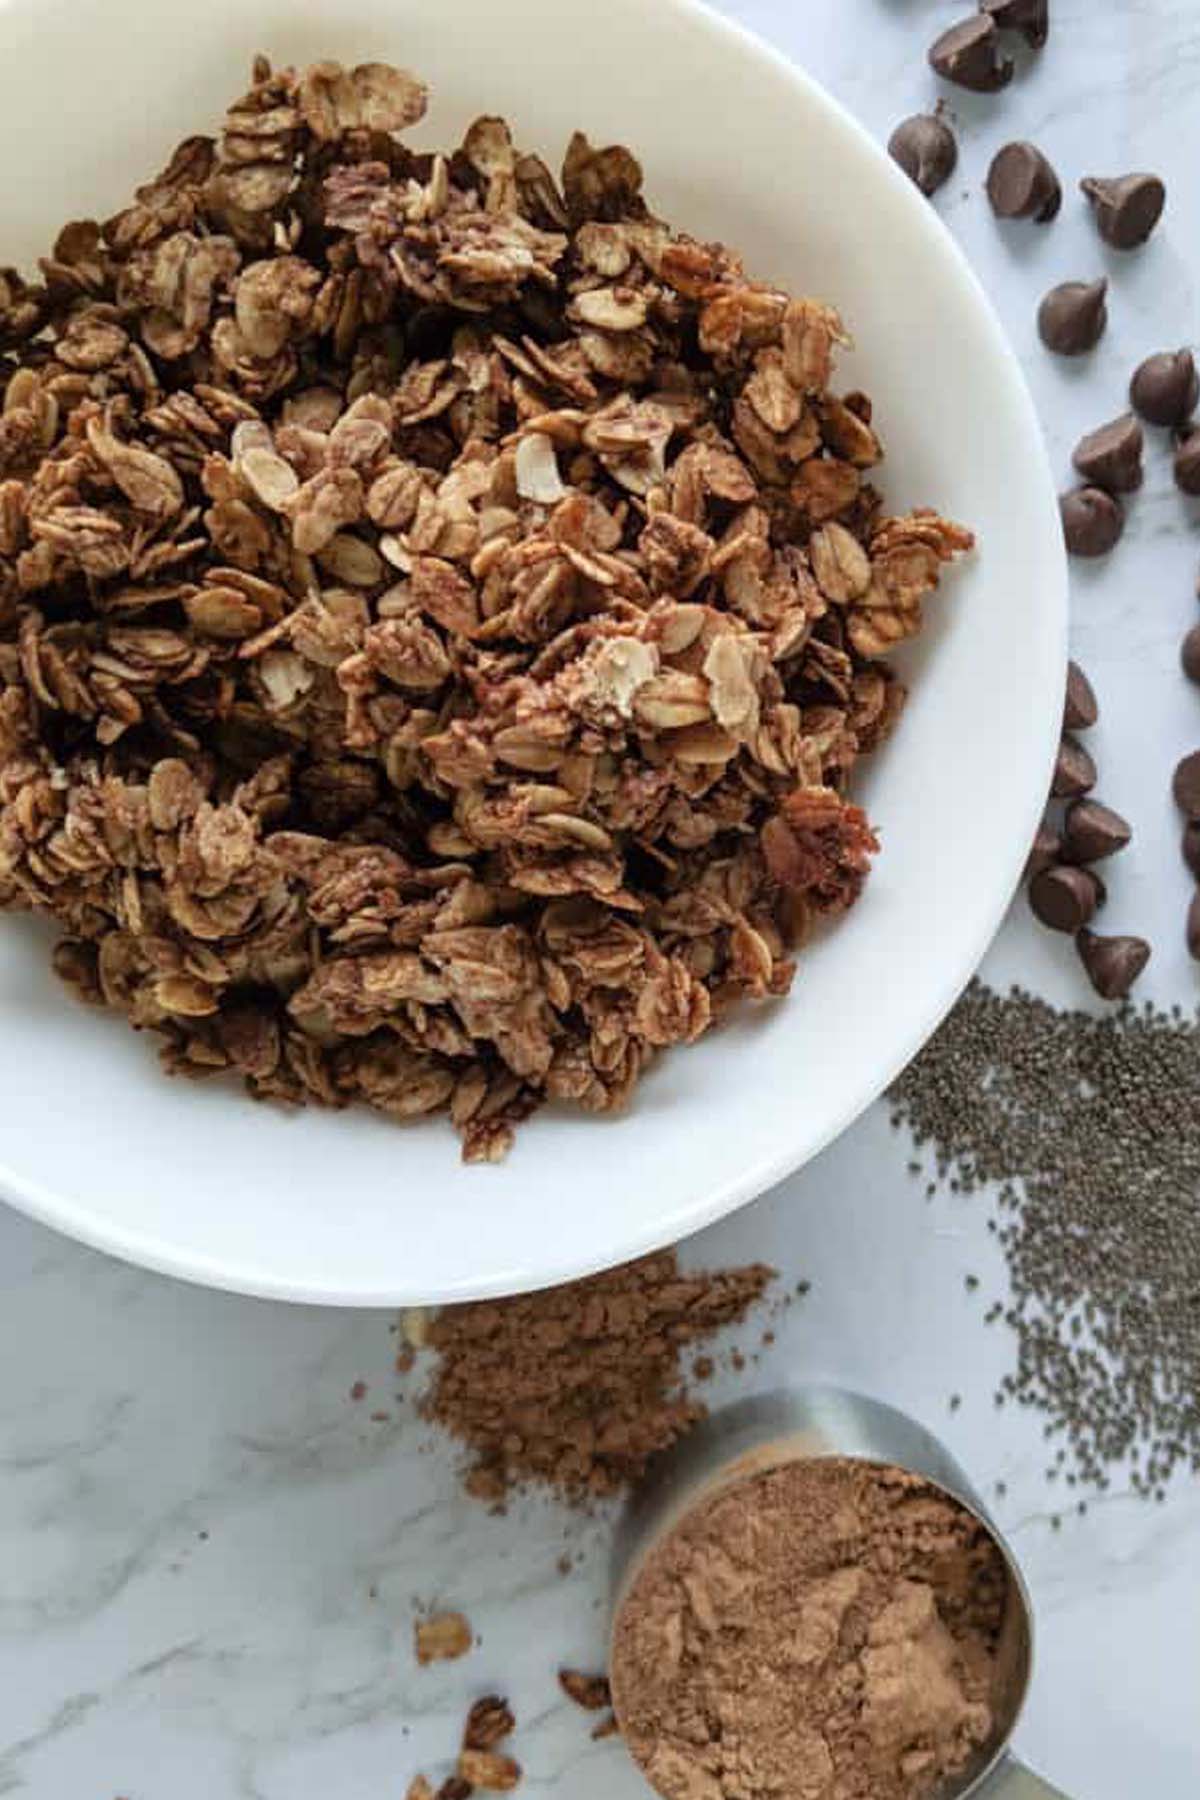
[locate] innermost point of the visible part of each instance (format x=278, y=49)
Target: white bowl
x=347, y=1208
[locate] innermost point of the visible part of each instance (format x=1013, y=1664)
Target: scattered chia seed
x=1087, y=1131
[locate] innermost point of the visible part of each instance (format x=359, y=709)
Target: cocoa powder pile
x=577, y=1387
x=824, y=1630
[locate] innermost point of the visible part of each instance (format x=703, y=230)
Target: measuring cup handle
x=1011, y=1780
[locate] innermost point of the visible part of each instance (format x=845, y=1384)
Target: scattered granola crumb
x=442, y=1638
x=359, y=1391
x=480, y=1765
x=490, y=1770
x=592, y=1692
x=577, y=1387
x=489, y=1721
x=441, y=610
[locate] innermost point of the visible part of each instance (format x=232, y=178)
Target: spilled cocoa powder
x=822, y=1630
x=576, y=1388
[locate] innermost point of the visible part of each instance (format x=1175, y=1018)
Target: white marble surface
x=209, y=1556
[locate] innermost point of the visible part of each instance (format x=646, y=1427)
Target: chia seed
x=1086, y=1130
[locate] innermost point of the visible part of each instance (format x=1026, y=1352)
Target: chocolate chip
x=925, y=148
x=1189, y=654
x=1092, y=831
x=1030, y=17
x=1187, y=462
x=1074, y=771
x=1126, y=208
x=1080, y=709
x=1092, y=521
x=1165, y=387
x=1072, y=317
x=1193, y=926
x=1185, y=785
x=1045, y=850
x=1113, y=963
x=969, y=55
x=1190, y=846
x=1022, y=185
x=1111, y=456
x=1064, y=898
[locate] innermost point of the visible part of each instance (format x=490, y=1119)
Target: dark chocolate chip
x=1113, y=963
x=1189, y=655
x=1185, y=785
x=1187, y=461
x=1111, y=456
x=1092, y=831
x=1126, y=208
x=1022, y=185
x=1092, y=521
x=1193, y=926
x=1072, y=317
x=969, y=55
x=1165, y=387
x=1064, y=898
x=1080, y=709
x=1190, y=846
x=925, y=148
x=1030, y=17
x=1045, y=850
x=1074, y=771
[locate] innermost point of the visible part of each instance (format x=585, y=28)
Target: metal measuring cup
x=761, y=1433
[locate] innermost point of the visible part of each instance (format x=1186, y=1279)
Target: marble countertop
x=209, y=1556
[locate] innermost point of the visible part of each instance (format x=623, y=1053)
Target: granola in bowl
x=441, y=608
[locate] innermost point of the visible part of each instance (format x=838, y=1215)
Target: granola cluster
x=440, y=610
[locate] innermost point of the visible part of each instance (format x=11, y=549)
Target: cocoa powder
x=823, y=1630
x=577, y=1387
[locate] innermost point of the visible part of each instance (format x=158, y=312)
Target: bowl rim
x=149, y=1248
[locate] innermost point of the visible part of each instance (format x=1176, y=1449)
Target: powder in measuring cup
x=823, y=1630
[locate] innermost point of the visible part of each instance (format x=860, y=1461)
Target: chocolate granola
x=441, y=607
